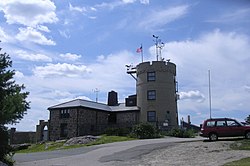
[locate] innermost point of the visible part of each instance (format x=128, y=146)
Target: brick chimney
x=112, y=98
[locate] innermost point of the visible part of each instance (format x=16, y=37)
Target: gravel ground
x=189, y=154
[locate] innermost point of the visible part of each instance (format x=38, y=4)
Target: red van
x=223, y=127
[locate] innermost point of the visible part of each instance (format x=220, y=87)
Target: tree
x=13, y=104
x=248, y=119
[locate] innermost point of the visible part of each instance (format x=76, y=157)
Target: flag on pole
x=139, y=50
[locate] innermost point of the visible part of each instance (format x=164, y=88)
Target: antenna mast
x=158, y=47
x=96, y=91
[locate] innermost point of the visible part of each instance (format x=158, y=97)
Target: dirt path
x=188, y=154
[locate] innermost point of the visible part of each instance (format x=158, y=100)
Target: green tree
x=248, y=119
x=13, y=104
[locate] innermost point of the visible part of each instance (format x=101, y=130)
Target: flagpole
x=141, y=53
x=209, y=86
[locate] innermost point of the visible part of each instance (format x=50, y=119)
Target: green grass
x=59, y=145
x=240, y=145
x=242, y=162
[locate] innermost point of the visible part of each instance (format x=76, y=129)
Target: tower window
x=151, y=115
x=151, y=94
x=64, y=113
x=151, y=76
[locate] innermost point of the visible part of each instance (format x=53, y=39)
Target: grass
x=242, y=162
x=50, y=146
x=240, y=145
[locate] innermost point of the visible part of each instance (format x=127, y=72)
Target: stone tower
x=156, y=93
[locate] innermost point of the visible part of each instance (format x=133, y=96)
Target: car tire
x=247, y=135
x=213, y=137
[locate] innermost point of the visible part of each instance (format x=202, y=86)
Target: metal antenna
x=96, y=91
x=158, y=47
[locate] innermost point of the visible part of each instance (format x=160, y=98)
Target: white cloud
x=32, y=35
x=43, y=28
x=4, y=37
x=70, y=56
x=32, y=57
x=226, y=55
x=77, y=8
x=144, y=2
x=67, y=70
x=18, y=74
x=29, y=12
x=65, y=33
x=128, y=1
x=159, y=18
x=247, y=88
x=192, y=95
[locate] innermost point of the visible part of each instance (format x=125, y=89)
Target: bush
x=118, y=131
x=144, y=131
x=181, y=133
x=5, y=148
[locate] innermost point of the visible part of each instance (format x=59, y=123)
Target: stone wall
x=17, y=137
x=127, y=119
x=81, y=121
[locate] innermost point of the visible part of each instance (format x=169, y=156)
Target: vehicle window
x=232, y=123
x=221, y=123
x=211, y=124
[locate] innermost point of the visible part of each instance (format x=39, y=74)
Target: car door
x=221, y=128
x=234, y=128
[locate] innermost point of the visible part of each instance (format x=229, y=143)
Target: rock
x=20, y=146
x=81, y=140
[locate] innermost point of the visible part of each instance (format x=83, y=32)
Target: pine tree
x=13, y=104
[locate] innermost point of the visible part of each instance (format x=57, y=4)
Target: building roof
x=93, y=105
x=82, y=103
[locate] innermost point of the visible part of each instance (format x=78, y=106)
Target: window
x=64, y=113
x=151, y=94
x=151, y=76
x=151, y=116
x=221, y=123
x=211, y=124
x=232, y=123
x=64, y=130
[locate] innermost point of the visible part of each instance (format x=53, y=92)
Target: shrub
x=144, y=131
x=181, y=133
x=118, y=131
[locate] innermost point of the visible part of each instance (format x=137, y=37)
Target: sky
x=67, y=49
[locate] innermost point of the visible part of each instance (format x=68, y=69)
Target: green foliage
x=118, y=131
x=181, y=133
x=13, y=104
x=5, y=149
x=144, y=131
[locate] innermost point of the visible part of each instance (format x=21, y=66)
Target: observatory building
x=155, y=102
x=156, y=92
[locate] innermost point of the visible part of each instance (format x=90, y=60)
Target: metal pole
x=141, y=53
x=210, y=103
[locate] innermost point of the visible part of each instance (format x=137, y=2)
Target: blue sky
x=62, y=50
